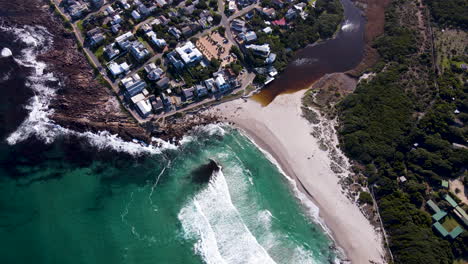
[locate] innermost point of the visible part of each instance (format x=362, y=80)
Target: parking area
x=216, y=46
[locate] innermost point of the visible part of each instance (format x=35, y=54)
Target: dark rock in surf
x=204, y=173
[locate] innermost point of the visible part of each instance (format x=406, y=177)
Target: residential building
x=137, y=98
x=77, y=10
x=249, y=36
x=161, y=3
x=278, y=3
x=188, y=93
x=189, y=53
x=143, y=10
x=268, y=12
x=156, y=103
x=163, y=82
x=186, y=31
x=267, y=30
x=175, y=32
x=115, y=28
x=146, y=28
x=232, y=6
x=261, y=50
x=279, y=22
x=124, y=40
x=110, y=10
x=201, y=90
x=96, y=39
x=133, y=85
x=153, y=72
x=221, y=83
x=290, y=14
x=171, y=56
x=111, y=51
x=135, y=15
x=271, y=58
x=211, y=85
x=238, y=25
x=124, y=4
x=117, y=69
x=144, y=108
x=116, y=20
x=139, y=51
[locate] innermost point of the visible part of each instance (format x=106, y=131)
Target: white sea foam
x=6, y=52
x=212, y=219
x=348, y=26
x=312, y=210
x=38, y=122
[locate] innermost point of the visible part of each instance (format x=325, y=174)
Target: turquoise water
x=68, y=203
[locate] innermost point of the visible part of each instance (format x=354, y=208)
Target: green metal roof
x=444, y=183
x=455, y=232
x=439, y=215
x=433, y=206
x=449, y=199
x=441, y=229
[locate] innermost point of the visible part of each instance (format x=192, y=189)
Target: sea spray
x=38, y=122
x=222, y=230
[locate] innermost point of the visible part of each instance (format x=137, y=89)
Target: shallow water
x=92, y=198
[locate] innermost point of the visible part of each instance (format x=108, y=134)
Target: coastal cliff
x=82, y=103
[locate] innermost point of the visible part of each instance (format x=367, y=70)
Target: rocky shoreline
x=82, y=102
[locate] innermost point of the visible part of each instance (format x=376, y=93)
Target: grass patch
x=450, y=223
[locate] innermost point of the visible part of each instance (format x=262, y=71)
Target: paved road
x=225, y=22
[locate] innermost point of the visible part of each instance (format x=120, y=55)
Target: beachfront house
x=261, y=50
x=188, y=93
x=133, y=85
x=201, y=90
x=117, y=69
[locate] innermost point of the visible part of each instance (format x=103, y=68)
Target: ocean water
x=68, y=197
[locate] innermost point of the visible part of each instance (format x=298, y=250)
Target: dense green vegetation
x=392, y=130
x=450, y=12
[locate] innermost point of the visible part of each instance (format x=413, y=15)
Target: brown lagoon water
x=339, y=54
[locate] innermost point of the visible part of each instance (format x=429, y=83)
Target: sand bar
x=280, y=129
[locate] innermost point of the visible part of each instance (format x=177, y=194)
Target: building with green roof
x=439, y=215
x=450, y=200
x=444, y=184
x=440, y=229
x=455, y=232
x=433, y=206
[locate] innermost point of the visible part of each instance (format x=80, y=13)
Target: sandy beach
x=280, y=130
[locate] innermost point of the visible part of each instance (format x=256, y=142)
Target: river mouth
x=340, y=54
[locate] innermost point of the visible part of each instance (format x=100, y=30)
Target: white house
x=136, y=15
x=117, y=69
x=144, y=108
x=262, y=50
x=138, y=50
x=189, y=53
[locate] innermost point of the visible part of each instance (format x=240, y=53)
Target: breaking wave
x=38, y=123
x=222, y=237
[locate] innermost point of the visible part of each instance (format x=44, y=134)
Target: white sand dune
x=280, y=129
